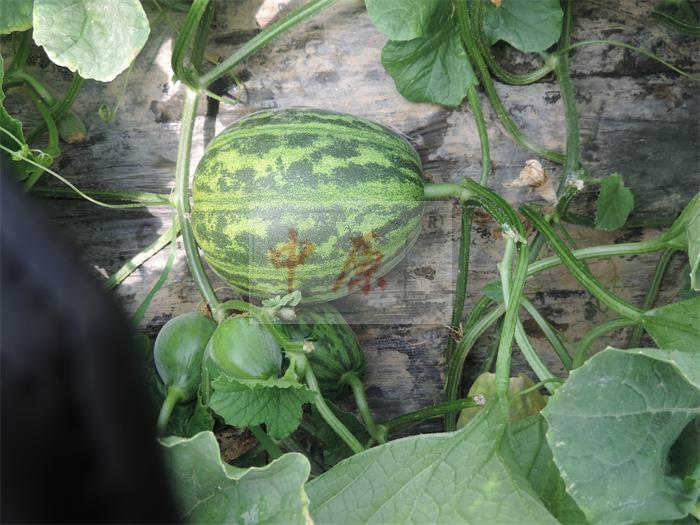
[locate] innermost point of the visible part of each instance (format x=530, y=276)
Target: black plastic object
x=78, y=433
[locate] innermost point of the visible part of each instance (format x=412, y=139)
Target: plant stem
x=598, y=252
x=292, y=445
x=439, y=410
x=466, y=223
x=182, y=199
x=328, y=415
x=652, y=293
x=511, y=298
x=468, y=38
x=137, y=260
x=358, y=391
x=485, y=50
x=171, y=399
x=676, y=23
x=139, y=198
x=268, y=34
x=571, y=164
x=594, y=333
x=52, y=146
x=578, y=270
x=184, y=41
x=266, y=442
x=526, y=348
x=549, y=332
x=60, y=109
x=21, y=54
x=454, y=371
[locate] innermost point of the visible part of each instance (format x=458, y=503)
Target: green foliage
x=401, y=19
x=470, y=476
x=535, y=459
x=615, y=202
x=97, y=38
x=676, y=325
x=210, y=491
x=611, y=427
x=247, y=402
x=692, y=230
x=15, y=15
x=529, y=26
x=434, y=68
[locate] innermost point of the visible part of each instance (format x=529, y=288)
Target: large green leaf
x=532, y=25
x=468, y=476
x=676, y=325
x=10, y=125
x=535, y=459
x=615, y=202
x=15, y=15
x=275, y=402
x=686, y=362
x=98, y=38
x=611, y=427
x=401, y=19
x=433, y=68
x=210, y=491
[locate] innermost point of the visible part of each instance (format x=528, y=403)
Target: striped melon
x=308, y=200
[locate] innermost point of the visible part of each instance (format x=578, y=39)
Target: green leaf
x=686, y=362
x=15, y=15
x=677, y=236
x=98, y=38
x=615, y=202
x=692, y=231
x=535, y=459
x=468, y=476
x=529, y=26
x=210, y=491
x=246, y=402
x=520, y=406
x=686, y=292
x=433, y=68
x=676, y=325
x=402, y=19
x=611, y=427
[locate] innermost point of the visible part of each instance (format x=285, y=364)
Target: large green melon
x=309, y=200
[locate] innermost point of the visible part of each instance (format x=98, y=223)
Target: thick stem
x=184, y=41
x=358, y=391
x=171, y=399
x=454, y=371
x=439, y=410
x=652, y=293
x=578, y=270
x=52, y=146
x=594, y=333
x=266, y=442
x=60, y=109
x=512, y=291
x=485, y=50
x=526, y=348
x=473, y=51
x=182, y=199
x=260, y=40
x=466, y=224
x=22, y=53
x=328, y=415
